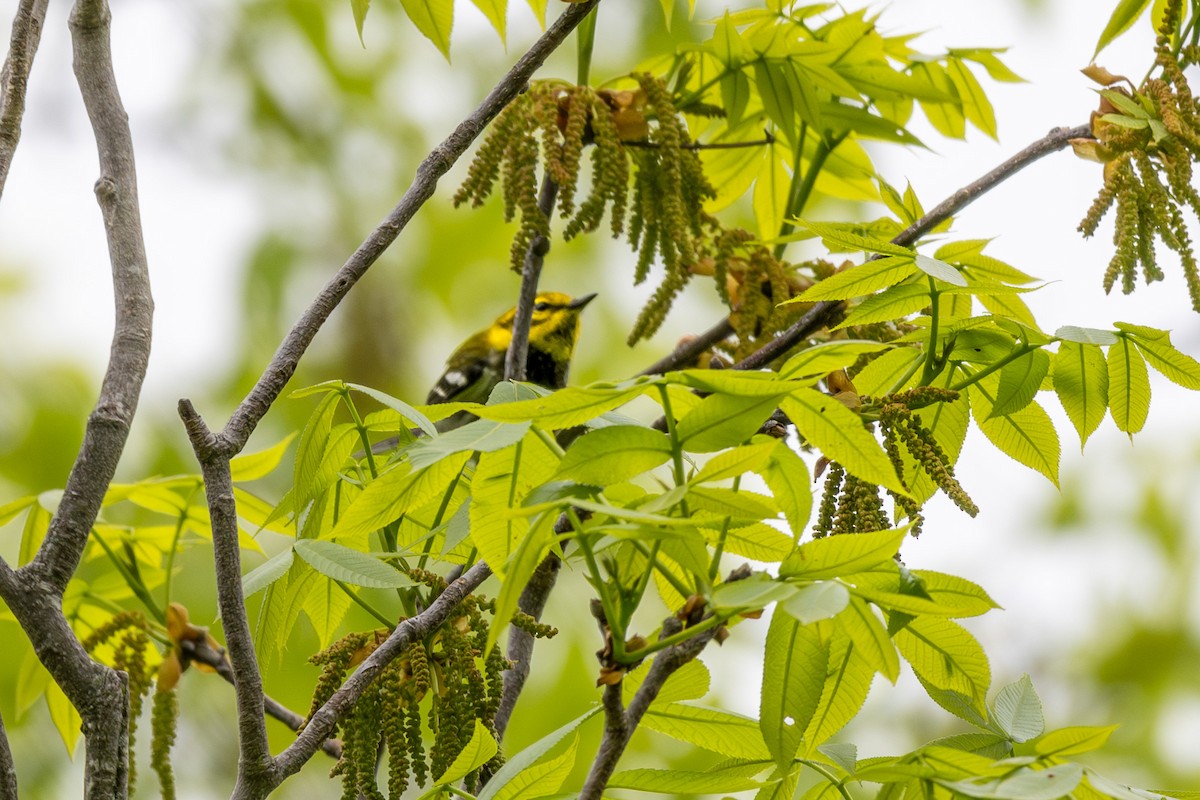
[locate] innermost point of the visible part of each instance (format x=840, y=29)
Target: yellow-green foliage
x=1148, y=140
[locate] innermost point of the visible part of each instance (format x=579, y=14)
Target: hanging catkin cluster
x=446, y=668
x=1148, y=170
x=122, y=642
x=550, y=124
x=851, y=505
x=636, y=132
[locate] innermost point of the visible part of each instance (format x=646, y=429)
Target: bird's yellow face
x=554, y=326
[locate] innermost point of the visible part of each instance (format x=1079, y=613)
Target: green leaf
x=821, y=359
x=755, y=592
x=689, y=682
x=817, y=601
x=1177, y=367
x=1017, y=710
x=775, y=92
x=794, y=664
x=758, y=541
x=847, y=681
x=474, y=755
x=1123, y=16
x=511, y=773
x=267, y=573
x=12, y=510
x=1072, y=741
x=1081, y=381
x=894, y=303
x=839, y=434
x=723, y=420
x=886, y=374
x=1022, y=784
x=676, y=781
x=1072, y=333
x=359, y=9
x=399, y=406
x=477, y=436
x=940, y=270
x=935, y=593
x=310, y=451
x=63, y=715
x=434, y=19
x=975, y=104
x=252, y=466
x=734, y=463
x=1027, y=436
x=614, y=454
x=564, y=408
x=944, y=655
x=787, y=478
x=871, y=639
x=840, y=240
x=350, y=566
x=542, y=779
x=495, y=11
x=394, y=493
x=1020, y=380
x=501, y=483
x=517, y=571
x=835, y=556
x=859, y=281
x=1128, y=387
x=723, y=732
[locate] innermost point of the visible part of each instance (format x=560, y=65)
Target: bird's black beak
x=580, y=302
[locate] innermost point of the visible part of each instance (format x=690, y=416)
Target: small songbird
x=474, y=369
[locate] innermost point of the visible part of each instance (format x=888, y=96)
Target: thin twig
x=689, y=350
x=531, y=273
x=819, y=315
x=648, y=145
x=26, y=33
x=247, y=415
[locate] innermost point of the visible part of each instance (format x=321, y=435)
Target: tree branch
x=818, y=316
x=26, y=33
x=531, y=273
x=620, y=723
x=116, y=190
x=283, y=365
x=254, y=751
x=8, y=770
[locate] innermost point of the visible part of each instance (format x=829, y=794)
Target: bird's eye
x=541, y=306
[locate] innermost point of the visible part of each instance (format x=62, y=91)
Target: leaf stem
x=931, y=360
x=364, y=605
x=975, y=377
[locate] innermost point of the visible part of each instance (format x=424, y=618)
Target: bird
x=477, y=365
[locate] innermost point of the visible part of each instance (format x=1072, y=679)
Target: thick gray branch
x=26, y=33
x=8, y=770
x=116, y=191
x=520, y=643
x=254, y=751
x=435, y=165
x=34, y=594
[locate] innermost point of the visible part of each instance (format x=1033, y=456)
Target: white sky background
x=198, y=224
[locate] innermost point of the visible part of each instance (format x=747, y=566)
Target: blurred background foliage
x=280, y=95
